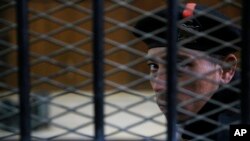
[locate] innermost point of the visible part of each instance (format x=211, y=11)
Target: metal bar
x=98, y=56
x=172, y=69
x=24, y=69
x=245, y=65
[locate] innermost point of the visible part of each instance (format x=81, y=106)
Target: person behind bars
x=208, y=94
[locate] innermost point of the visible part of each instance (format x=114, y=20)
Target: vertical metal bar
x=23, y=72
x=172, y=69
x=98, y=56
x=245, y=66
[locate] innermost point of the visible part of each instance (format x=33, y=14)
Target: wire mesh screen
x=62, y=75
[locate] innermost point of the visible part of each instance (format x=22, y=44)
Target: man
x=208, y=98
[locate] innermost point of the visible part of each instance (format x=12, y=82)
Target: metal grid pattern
x=61, y=71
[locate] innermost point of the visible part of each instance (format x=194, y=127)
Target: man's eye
x=185, y=66
x=152, y=66
x=182, y=69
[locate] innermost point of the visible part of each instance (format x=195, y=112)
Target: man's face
x=198, y=79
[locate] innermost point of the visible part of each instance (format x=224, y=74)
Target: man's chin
x=181, y=118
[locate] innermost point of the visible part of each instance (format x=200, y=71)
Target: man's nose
x=159, y=83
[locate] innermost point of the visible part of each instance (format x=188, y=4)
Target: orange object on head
x=189, y=10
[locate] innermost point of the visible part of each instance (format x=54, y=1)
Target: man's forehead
x=162, y=51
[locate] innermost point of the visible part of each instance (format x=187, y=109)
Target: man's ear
x=228, y=70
